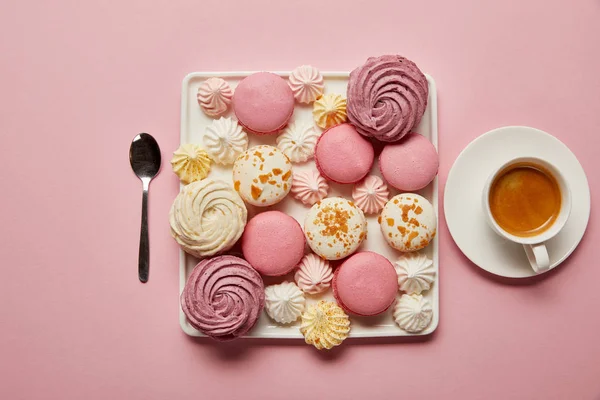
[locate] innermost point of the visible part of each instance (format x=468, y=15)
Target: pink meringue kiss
x=309, y=187
x=214, y=96
x=370, y=194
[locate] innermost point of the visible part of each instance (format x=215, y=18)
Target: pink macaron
x=263, y=103
x=273, y=243
x=342, y=155
x=365, y=284
x=410, y=164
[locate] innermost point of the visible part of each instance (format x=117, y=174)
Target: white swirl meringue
x=309, y=187
x=307, y=83
x=370, y=194
x=207, y=217
x=298, y=142
x=284, y=303
x=413, y=313
x=415, y=273
x=214, y=96
x=225, y=140
x=314, y=274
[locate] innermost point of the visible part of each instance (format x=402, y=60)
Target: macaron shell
x=410, y=164
x=273, y=243
x=342, y=155
x=263, y=103
x=365, y=284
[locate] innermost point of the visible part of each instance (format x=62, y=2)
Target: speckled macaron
x=263, y=103
x=273, y=243
x=408, y=222
x=365, y=284
x=335, y=228
x=262, y=175
x=342, y=155
x=410, y=164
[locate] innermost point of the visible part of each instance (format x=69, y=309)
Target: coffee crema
x=525, y=199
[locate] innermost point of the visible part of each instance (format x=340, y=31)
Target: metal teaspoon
x=144, y=156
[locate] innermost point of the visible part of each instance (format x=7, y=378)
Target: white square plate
x=193, y=126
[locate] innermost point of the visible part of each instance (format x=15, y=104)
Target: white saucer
x=462, y=199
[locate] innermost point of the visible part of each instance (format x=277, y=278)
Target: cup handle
x=538, y=257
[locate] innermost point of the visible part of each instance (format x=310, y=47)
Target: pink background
x=80, y=78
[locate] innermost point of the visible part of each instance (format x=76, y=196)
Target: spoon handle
x=144, y=255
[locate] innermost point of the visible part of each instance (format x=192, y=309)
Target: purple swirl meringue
x=223, y=297
x=387, y=97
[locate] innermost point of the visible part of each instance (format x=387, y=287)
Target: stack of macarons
x=225, y=294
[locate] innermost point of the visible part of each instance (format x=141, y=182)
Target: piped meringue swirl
x=223, y=297
x=387, y=97
x=207, y=217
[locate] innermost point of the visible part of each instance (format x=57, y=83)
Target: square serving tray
x=193, y=126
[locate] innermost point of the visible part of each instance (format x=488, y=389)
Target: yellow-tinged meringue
x=307, y=83
x=330, y=110
x=325, y=325
x=190, y=163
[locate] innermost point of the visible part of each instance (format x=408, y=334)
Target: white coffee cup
x=535, y=246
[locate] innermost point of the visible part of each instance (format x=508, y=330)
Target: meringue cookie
x=262, y=175
x=387, y=97
x=223, y=297
x=298, y=142
x=284, y=303
x=329, y=110
x=325, y=325
x=408, y=222
x=314, y=274
x=190, y=163
x=307, y=83
x=413, y=313
x=309, y=187
x=214, y=96
x=225, y=140
x=371, y=194
x=415, y=273
x=334, y=228
x=207, y=217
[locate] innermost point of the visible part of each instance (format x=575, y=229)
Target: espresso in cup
x=525, y=199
